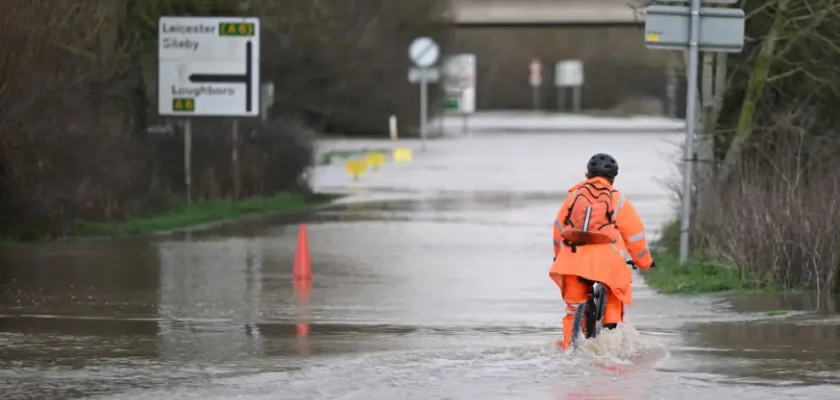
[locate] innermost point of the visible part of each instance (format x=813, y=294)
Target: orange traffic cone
x=303, y=269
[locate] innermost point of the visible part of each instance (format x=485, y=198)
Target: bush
x=778, y=219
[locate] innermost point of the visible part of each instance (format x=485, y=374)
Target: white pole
x=392, y=127
x=423, y=105
x=690, y=124
x=188, y=159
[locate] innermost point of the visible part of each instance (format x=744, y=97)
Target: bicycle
x=591, y=312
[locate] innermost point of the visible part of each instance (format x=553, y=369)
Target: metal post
x=423, y=105
x=576, y=99
x=690, y=122
x=535, y=100
x=465, y=124
x=671, y=85
x=188, y=159
x=264, y=111
x=561, y=98
x=237, y=183
x=440, y=120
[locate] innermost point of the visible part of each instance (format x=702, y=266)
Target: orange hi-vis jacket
x=605, y=263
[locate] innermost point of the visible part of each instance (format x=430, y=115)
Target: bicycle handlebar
x=632, y=264
x=629, y=262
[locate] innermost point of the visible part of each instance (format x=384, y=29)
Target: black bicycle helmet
x=602, y=165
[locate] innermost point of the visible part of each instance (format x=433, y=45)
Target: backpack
x=590, y=218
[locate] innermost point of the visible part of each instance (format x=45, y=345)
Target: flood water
x=430, y=282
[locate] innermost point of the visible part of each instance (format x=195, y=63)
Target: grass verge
x=200, y=214
x=697, y=275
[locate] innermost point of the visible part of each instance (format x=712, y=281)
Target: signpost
x=208, y=66
x=693, y=29
x=266, y=99
x=535, y=80
x=459, y=72
x=424, y=53
x=569, y=73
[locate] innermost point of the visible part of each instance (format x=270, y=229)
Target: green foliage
x=199, y=214
x=698, y=274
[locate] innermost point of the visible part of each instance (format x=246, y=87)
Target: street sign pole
x=424, y=53
x=690, y=125
x=535, y=79
x=693, y=29
x=234, y=158
x=424, y=106
x=561, y=98
x=188, y=158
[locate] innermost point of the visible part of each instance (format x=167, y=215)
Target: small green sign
x=184, y=104
x=236, y=29
x=451, y=103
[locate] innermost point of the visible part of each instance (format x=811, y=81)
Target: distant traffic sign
x=721, y=29
x=568, y=73
x=459, y=81
x=209, y=66
x=420, y=75
x=424, y=52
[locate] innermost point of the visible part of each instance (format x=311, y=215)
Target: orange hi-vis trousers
x=575, y=294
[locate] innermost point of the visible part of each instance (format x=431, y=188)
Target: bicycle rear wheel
x=583, y=325
x=591, y=318
x=601, y=300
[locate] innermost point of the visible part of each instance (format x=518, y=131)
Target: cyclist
x=596, y=233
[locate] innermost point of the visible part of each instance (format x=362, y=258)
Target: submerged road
x=430, y=282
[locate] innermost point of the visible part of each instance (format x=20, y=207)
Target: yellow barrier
x=402, y=155
x=355, y=168
x=356, y=207
x=375, y=159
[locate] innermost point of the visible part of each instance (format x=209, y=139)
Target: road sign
x=693, y=29
x=721, y=29
x=568, y=73
x=535, y=78
x=452, y=102
x=458, y=72
x=424, y=52
x=417, y=75
x=209, y=66
x=459, y=82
